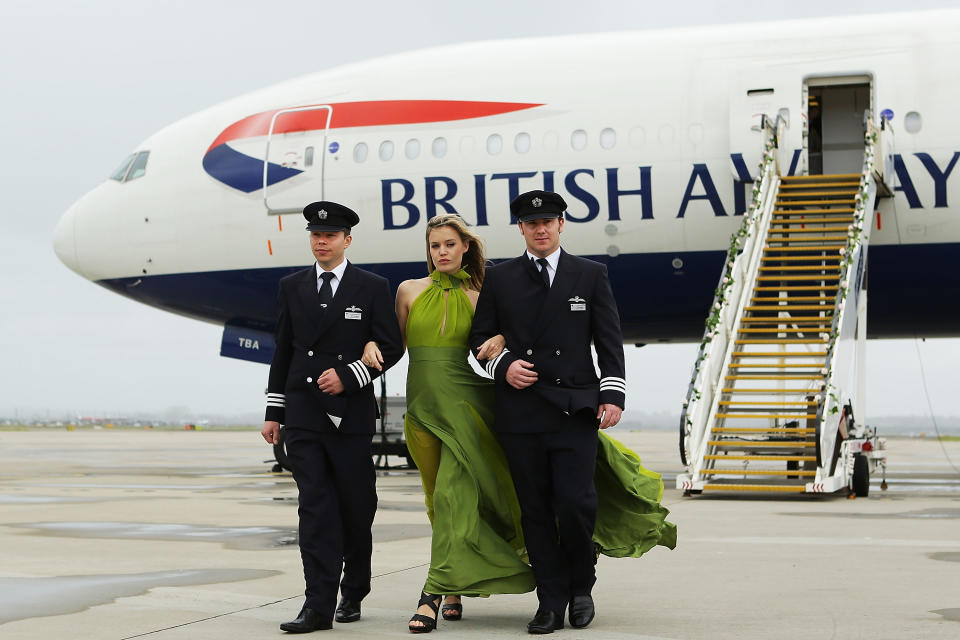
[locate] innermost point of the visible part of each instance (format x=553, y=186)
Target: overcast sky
x=82, y=84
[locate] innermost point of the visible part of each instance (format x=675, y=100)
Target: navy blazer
x=310, y=340
x=552, y=329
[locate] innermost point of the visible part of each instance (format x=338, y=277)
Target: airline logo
x=224, y=162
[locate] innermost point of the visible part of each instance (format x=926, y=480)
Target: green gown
x=477, y=545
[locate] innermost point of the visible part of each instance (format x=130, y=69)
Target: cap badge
x=322, y=214
x=537, y=202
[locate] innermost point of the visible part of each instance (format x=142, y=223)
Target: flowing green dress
x=477, y=545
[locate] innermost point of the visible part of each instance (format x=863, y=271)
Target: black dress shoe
x=348, y=610
x=308, y=620
x=581, y=611
x=545, y=622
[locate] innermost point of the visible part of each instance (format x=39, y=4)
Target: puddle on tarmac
x=948, y=614
x=6, y=498
x=948, y=556
x=36, y=597
x=244, y=538
x=923, y=514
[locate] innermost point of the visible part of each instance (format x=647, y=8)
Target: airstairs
x=775, y=403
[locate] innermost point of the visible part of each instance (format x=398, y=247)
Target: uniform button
x=310, y=353
x=529, y=352
x=339, y=356
x=309, y=379
x=558, y=380
x=558, y=351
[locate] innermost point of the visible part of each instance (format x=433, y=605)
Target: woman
x=477, y=545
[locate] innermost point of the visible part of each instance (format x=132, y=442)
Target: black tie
x=325, y=294
x=543, y=271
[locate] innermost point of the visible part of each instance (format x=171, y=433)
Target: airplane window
x=578, y=139
x=439, y=147
x=386, y=150
x=122, y=169
x=912, y=122
x=139, y=166
x=608, y=138
x=360, y=152
x=308, y=157
x=522, y=142
x=412, y=149
x=494, y=144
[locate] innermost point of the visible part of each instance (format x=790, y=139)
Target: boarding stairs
x=773, y=401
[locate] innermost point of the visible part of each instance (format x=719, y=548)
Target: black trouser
x=338, y=499
x=553, y=476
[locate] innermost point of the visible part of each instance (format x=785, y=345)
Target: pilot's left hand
x=608, y=415
x=329, y=382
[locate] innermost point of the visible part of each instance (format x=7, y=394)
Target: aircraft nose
x=65, y=241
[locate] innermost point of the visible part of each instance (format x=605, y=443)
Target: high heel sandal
x=452, y=612
x=429, y=624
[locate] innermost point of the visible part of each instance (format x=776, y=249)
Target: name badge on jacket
x=352, y=313
x=577, y=304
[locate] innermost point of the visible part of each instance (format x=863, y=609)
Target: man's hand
x=329, y=382
x=608, y=415
x=271, y=431
x=520, y=374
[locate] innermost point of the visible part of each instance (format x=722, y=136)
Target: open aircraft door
x=777, y=95
x=294, y=158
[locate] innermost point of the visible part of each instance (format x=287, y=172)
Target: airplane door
x=771, y=94
x=294, y=158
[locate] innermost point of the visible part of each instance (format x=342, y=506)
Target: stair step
x=773, y=444
x=773, y=366
x=835, y=258
x=808, y=403
x=803, y=212
x=779, y=354
x=825, y=276
x=812, y=221
x=758, y=472
x=811, y=239
x=819, y=176
x=788, y=431
x=788, y=307
x=788, y=232
x=804, y=287
x=771, y=416
x=794, y=299
x=754, y=487
x=801, y=267
x=799, y=201
x=762, y=458
x=748, y=392
x=820, y=329
x=838, y=192
x=818, y=183
x=780, y=341
x=826, y=248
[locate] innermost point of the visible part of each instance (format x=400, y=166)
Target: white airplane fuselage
x=649, y=136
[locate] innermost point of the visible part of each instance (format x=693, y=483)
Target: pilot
x=321, y=391
x=549, y=305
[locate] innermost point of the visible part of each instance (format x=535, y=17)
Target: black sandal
x=452, y=612
x=429, y=624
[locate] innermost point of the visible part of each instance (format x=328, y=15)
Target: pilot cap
x=534, y=205
x=329, y=216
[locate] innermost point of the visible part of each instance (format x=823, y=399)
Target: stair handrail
x=742, y=247
x=852, y=264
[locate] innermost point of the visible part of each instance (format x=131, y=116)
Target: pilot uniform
x=328, y=436
x=549, y=430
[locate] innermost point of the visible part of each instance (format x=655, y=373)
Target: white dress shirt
x=337, y=272
x=552, y=260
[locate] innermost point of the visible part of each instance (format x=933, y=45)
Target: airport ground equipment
x=776, y=399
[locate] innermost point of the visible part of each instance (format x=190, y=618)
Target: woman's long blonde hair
x=473, y=260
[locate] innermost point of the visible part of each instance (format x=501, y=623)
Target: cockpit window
x=122, y=169
x=133, y=166
x=139, y=166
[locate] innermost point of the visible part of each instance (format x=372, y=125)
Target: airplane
x=652, y=137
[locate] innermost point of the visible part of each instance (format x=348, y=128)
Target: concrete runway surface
x=167, y=535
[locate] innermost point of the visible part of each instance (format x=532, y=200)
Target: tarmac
x=116, y=534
